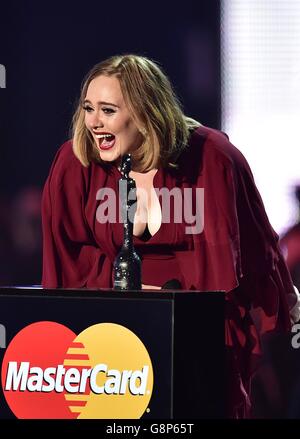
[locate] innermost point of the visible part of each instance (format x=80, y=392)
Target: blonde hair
x=154, y=108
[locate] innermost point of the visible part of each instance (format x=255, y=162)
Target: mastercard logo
x=50, y=372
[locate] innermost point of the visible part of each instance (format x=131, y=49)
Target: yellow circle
x=121, y=375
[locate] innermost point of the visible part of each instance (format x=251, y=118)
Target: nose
x=96, y=121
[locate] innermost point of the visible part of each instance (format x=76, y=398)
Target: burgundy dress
x=237, y=251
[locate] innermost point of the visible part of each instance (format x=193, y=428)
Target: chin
x=108, y=159
x=108, y=156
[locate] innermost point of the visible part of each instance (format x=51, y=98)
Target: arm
x=273, y=293
x=238, y=250
x=71, y=258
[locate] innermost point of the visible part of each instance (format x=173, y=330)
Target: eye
x=108, y=110
x=87, y=108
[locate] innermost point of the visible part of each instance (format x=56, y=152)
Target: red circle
x=43, y=345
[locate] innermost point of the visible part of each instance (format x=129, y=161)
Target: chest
x=148, y=213
x=163, y=213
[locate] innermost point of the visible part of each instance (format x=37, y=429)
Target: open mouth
x=105, y=140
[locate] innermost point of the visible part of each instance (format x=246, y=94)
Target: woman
x=127, y=105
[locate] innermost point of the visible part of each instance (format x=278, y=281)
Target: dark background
x=47, y=48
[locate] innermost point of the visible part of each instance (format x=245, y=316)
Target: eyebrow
x=86, y=101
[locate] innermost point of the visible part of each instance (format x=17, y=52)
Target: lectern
x=178, y=373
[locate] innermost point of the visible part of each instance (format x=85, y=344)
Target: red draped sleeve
x=238, y=249
x=237, y=252
x=71, y=257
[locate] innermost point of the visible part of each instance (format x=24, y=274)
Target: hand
x=150, y=287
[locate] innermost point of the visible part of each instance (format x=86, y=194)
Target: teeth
x=102, y=136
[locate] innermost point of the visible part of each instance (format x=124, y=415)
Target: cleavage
x=148, y=212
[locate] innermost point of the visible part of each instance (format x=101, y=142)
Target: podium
x=181, y=332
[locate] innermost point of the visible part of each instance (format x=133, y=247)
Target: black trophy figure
x=127, y=265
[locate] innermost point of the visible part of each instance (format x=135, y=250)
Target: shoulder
x=216, y=143
x=66, y=167
x=215, y=148
x=66, y=172
x=65, y=160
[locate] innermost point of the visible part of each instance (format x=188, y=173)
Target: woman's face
x=108, y=119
